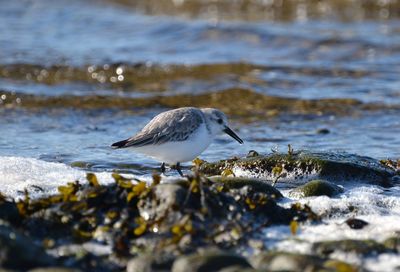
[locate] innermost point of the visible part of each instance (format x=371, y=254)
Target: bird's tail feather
x=120, y=144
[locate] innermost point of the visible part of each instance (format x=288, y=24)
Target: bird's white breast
x=182, y=151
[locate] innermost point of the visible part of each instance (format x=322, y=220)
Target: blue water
x=303, y=60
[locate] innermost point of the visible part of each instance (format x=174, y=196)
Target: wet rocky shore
x=211, y=220
x=321, y=75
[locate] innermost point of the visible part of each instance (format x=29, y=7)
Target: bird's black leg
x=178, y=168
x=163, y=168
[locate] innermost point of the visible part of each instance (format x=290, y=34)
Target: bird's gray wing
x=170, y=126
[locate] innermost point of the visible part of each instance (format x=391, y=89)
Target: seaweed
x=133, y=217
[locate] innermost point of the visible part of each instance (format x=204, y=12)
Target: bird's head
x=219, y=123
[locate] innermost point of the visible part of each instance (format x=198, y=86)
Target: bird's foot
x=162, y=168
x=177, y=167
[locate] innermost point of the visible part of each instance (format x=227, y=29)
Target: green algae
x=227, y=183
x=393, y=243
x=316, y=188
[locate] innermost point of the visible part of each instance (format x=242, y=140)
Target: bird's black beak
x=230, y=132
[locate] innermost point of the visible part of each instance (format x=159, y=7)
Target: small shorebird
x=179, y=135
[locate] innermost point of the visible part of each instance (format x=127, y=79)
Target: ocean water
x=76, y=76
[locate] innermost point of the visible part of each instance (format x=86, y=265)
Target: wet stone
x=393, y=243
x=361, y=247
x=355, y=223
x=54, y=269
x=336, y=266
x=282, y=261
x=323, y=131
x=316, y=188
x=9, y=212
x=93, y=227
x=150, y=263
x=237, y=268
x=29, y=254
x=297, y=168
x=208, y=261
x=254, y=184
x=252, y=153
x=285, y=261
x=166, y=197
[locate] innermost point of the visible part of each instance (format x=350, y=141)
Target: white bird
x=179, y=135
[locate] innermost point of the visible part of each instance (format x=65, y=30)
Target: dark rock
x=240, y=182
x=204, y=212
x=396, y=180
x=166, y=197
x=393, y=243
x=208, y=261
x=361, y=247
x=54, y=269
x=355, y=223
x=316, y=188
x=323, y=131
x=299, y=167
x=133, y=218
x=285, y=261
x=13, y=244
x=150, y=263
x=237, y=268
x=252, y=153
x=9, y=212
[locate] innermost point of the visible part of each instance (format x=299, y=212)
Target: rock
x=339, y=266
x=323, y=131
x=9, y=212
x=240, y=182
x=316, y=188
x=208, y=261
x=54, y=269
x=393, y=243
x=361, y=247
x=252, y=153
x=149, y=263
x=355, y=223
x=237, y=268
x=84, y=223
x=284, y=261
x=300, y=167
x=13, y=244
x=166, y=197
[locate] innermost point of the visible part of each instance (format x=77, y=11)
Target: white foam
x=293, y=178
x=18, y=173
x=379, y=207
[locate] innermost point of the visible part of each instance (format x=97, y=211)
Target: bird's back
x=169, y=126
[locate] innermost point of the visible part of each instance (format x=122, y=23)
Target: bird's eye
x=220, y=121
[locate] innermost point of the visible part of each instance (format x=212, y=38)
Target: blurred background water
x=76, y=76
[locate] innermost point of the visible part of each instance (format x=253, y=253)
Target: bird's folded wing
x=167, y=127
